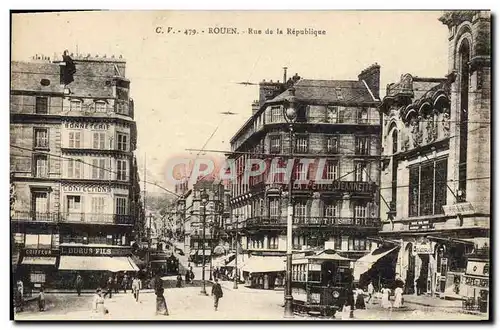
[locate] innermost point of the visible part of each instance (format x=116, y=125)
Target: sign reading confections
x=94, y=251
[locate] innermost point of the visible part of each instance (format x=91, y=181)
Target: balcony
x=90, y=218
x=315, y=222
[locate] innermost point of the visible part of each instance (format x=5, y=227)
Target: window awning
x=242, y=259
x=113, y=264
x=363, y=264
x=259, y=264
x=50, y=261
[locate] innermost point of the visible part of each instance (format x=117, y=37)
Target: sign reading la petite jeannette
x=94, y=251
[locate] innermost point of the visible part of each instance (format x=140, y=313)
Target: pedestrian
x=217, y=293
x=179, y=281
x=385, y=302
x=161, y=303
x=187, y=276
x=20, y=295
x=41, y=300
x=79, y=284
x=360, y=299
x=98, y=303
x=124, y=284
x=370, y=290
x=346, y=311
x=136, y=288
x=398, y=299
x=191, y=275
x=109, y=288
x=115, y=283
x=417, y=286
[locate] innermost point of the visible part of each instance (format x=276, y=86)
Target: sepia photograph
x=291, y=165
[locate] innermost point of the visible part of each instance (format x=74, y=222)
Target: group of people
x=19, y=297
x=113, y=284
x=385, y=302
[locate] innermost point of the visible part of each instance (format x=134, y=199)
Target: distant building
x=337, y=122
x=436, y=154
x=73, y=137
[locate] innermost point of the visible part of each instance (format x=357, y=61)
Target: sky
x=181, y=83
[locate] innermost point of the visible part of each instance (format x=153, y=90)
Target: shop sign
x=90, y=189
x=477, y=282
x=460, y=208
x=87, y=125
x=420, y=224
x=39, y=252
x=94, y=251
x=422, y=248
x=478, y=268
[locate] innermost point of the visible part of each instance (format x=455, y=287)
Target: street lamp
x=204, y=200
x=290, y=115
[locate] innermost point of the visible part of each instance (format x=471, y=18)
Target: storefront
x=263, y=271
x=94, y=263
x=477, y=282
x=37, y=268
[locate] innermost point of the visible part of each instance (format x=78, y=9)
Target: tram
x=321, y=283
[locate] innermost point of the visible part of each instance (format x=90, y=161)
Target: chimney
x=371, y=76
x=269, y=90
x=284, y=74
x=255, y=107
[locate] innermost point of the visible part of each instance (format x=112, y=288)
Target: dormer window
x=76, y=105
x=100, y=106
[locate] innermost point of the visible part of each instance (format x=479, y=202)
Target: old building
x=73, y=136
x=436, y=156
x=337, y=133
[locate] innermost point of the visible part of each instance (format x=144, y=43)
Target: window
x=97, y=205
x=331, y=209
x=99, y=140
x=74, y=139
x=276, y=114
x=300, y=209
x=360, y=171
x=100, y=106
x=272, y=242
x=360, y=211
x=301, y=144
x=275, y=142
x=40, y=202
x=122, y=142
x=362, y=116
x=274, y=207
x=74, y=169
x=340, y=96
x=41, y=166
x=394, y=141
x=332, y=114
x=332, y=170
x=41, y=138
x=121, y=170
x=332, y=144
x=428, y=188
x=99, y=168
x=121, y=206
x=41, y=105
x=38, y=241
x=337, y=243
x=362, y=145
x=357, y=244
x=75, y=105
x=74, y=204
x=301, y=172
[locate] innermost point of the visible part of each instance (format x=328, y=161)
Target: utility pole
x=235, y=286
x=203, y=205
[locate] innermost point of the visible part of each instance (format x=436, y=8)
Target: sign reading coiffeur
x=94, y=251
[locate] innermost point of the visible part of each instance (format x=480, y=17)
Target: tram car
x=321, y=283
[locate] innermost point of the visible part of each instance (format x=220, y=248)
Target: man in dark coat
x=216, y=293
x=79, y=284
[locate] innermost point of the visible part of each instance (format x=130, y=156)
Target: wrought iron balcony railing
x=91, y=218
x=315, y=221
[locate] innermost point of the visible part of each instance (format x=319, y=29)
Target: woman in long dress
x=398, y=299
x=98, y=303
x=385, y=297
x=360, y=299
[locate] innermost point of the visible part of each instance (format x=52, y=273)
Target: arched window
x=394, y=141
x=464, y=57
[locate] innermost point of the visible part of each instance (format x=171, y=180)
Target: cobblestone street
x=188, y=304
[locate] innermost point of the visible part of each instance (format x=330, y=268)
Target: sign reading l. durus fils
x=94, y=251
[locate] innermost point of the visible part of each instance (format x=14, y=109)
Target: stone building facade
x=73, y=137
x=337, y=133
x=436, y=162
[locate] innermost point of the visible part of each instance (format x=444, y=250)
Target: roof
x=328, y=91
x=27, y=76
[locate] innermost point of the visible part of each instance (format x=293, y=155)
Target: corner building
x=73, y=169
x=338, y=122
x=436, y=173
